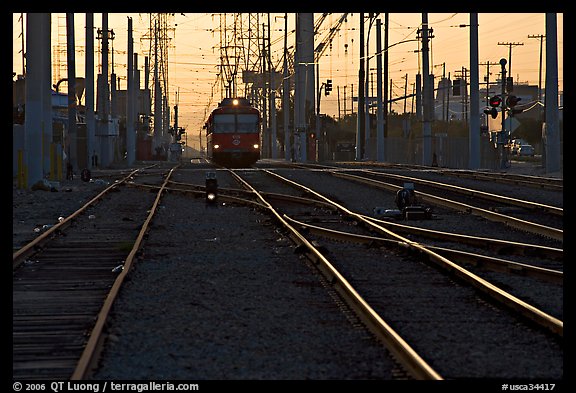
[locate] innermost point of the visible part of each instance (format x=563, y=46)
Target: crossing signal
x=495, y=101
x=511, y=101
x=492, y=112
x=328, y=87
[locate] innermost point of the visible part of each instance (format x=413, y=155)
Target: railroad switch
x=417, y=213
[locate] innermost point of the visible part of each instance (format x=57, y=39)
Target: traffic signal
x=511, y=101
x=495, y=101
x=328, y=87
x=492, y=112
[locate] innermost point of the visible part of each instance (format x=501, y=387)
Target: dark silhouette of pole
x=510, y=45
x=541, y=37
x=360, y=116
x=72, y=156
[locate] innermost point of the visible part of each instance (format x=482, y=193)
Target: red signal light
x=495, y=101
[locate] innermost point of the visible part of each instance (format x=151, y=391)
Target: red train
x=233, y=133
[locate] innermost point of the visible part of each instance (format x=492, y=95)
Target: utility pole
x=427, y=90
x=487, y=80
x=464, y=97
x=541, y=37
x=510, y=45
x=286, y=96
x=474, y=131
x=503, y=136
x=380, y=147
x=385, y=78
x=360, y=116
x=551, y=130
x=272, y=95
x=72, y=133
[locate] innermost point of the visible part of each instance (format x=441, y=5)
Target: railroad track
x=313, y=218
x=65, y=280
x=432, y=254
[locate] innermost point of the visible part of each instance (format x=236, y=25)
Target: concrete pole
x=426, y=91
x=305, y=79
x=380, y=123
x=297, y=94
x=34, y=106
x=157, y=95
x=46, y=96
x=72, y=149
x=286, y=95
x=89, y=100
x=360, y=116
x=105, y=145
x=130, y=132
x=474, y=130
x=272, y=96
x=307, y=29
x=552, y=125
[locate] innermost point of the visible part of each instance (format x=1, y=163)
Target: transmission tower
x=59, y=66
x=160, y=36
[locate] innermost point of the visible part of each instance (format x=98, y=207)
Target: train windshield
x=247, y=123
x=224, y=123
x=239, y=123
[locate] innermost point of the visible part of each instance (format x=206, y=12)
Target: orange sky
x=194, y=53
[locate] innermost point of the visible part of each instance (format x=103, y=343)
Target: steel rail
x=506, y=246
x=95, y=341
x=543, y=319
x=558, y=211
x=479, y=260
x=32, y=247
x=543, y=230
x=547, y=183
x=230, y=198
x=415, y=365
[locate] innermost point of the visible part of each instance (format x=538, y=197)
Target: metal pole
x=380, y=115
x=272, y=96
x=286, y=96
x=474, y=130
x=552, y=126
x=89, y=100
x=72, y=129
x=426, y=91
x=360, y=116
x=130, y=132
x=503, y=136
x=33, y=119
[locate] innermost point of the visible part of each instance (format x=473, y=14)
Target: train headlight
x=235, y=102
x=216, y=146
x=256, y=146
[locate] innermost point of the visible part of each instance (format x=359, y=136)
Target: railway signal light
x=492, y=112
x=495, y=101
x=511, y=101
x=328, y=87
x=211, y=188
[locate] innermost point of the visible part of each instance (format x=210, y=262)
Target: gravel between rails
x=175, y=332
x=227, y=299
